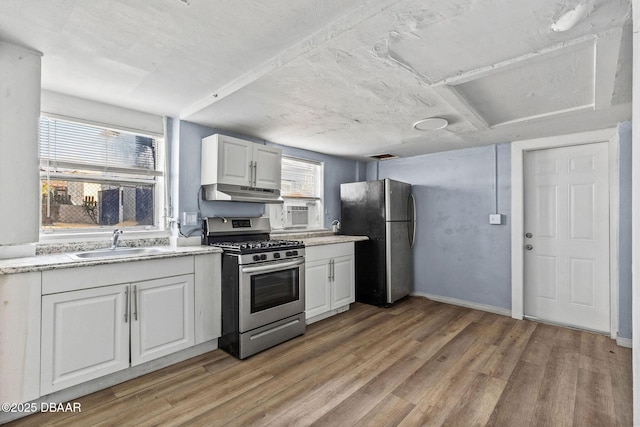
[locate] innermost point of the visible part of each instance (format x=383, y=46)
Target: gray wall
x=336, y=171
x=457, y=253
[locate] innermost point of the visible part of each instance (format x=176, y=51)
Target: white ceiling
x=343, y=77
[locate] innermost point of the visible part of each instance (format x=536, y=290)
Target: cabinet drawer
x=313, y=253
x=71, y=279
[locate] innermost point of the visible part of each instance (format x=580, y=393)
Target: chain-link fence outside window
x=79, y=204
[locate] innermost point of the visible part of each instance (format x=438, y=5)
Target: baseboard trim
x=624, y=342
x=463, y=303
x=327, y=314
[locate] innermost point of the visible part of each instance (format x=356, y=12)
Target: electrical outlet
x=189, y=218
x=495, y=219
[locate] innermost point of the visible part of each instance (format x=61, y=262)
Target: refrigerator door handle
x=412, y=223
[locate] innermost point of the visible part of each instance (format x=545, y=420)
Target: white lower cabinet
x=317, y=289
x=330, y=280
x=20, y=309
x=343, y=290
x=163, y=314
x=85, y=335
x=90, y=333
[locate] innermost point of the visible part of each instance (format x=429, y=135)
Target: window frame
x=319, y=183
x=159, y=229
x=319, y=199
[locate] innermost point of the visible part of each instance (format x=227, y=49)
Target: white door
x=162, y=317
x=268, y=169
x=343, y=284
x=566, y=225
x=85, y=335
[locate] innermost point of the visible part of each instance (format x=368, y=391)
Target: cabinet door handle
x=255, y=174
x=333, y=270
x=126, y=307
x=251, y=173
x=135, y=303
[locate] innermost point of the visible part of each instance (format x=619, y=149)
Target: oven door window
x=273, y=289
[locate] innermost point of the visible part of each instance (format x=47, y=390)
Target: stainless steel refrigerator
x=383, y=210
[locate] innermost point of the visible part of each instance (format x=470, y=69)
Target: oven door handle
x=272, y=266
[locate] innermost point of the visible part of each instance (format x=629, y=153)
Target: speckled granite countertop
x=328, y=240
x=316, y=238
x=64, y=260
x=51, y=257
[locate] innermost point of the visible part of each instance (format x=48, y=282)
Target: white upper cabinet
x=268, y=166
x=233, y=161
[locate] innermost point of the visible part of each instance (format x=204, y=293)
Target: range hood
x=240, y=193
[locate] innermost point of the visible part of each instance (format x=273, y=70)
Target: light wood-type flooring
x=417, y=363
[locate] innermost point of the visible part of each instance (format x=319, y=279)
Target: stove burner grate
x=258, y=245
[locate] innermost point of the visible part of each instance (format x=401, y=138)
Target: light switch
x=189, y=218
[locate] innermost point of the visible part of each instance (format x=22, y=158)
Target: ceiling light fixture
x=571, y=18
x=432, y=123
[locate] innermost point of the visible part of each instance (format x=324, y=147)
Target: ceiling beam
x=458, y=102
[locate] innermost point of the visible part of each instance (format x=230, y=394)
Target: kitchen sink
x=118, y=253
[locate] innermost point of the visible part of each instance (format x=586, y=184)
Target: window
x=301, y=190
x=96, y=177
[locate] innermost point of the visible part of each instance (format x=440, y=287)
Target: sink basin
x=117, y=253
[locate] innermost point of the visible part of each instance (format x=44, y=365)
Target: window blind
x=68, y=145
x=300, y=178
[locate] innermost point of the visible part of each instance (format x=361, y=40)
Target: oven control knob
x=276, y=255
x=289, y=253
x=256, y=257
x=263, y=257
x=294, y=253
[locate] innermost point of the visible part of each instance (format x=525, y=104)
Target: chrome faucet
x=114, y=240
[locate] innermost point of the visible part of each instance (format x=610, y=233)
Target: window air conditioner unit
x=297, y=216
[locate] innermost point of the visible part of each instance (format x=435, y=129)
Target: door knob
x=528, y=247
x=528, y=235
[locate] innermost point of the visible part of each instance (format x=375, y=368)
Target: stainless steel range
x=262, y=285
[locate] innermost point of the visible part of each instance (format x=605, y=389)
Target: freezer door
x=397, y=200
x=362, y=208
x=399, y=260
